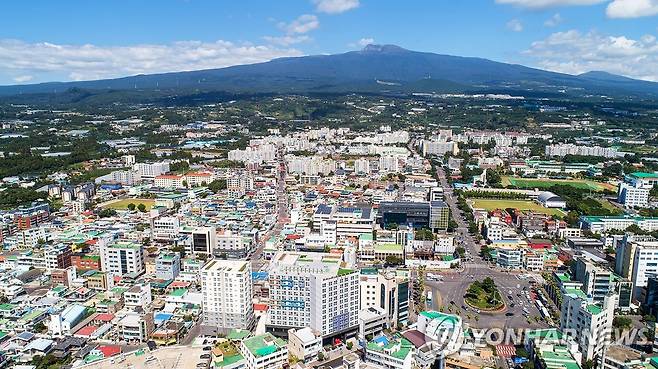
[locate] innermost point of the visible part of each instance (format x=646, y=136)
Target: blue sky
x=77, y=40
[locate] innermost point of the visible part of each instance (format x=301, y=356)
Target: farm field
x=492, y=204
x=123, y=203
x=529, y=183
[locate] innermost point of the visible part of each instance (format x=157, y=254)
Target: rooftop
x=264, y=344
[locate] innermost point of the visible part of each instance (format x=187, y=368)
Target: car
x=204, y=356
x=512, y=305
x=509, y=314
x=207, y=348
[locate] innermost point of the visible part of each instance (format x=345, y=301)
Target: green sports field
x=493, y=204
x=530, y=183
x=123, y=203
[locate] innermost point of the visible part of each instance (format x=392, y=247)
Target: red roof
x=87, y=331
x=169, y=176
x=293, y=237
x=178, y=284
x=261, y=307
x=110, y=350
x=104, y=317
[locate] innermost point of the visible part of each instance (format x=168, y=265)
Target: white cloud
x=335, y=6
x=632, y=8
x=554, y=20
x=574, y=52
x=22, y=79
x=46, y=61
x=365, y=41
x=539, y=4
x=515, y=25
x=303, y=24
x=286, y=40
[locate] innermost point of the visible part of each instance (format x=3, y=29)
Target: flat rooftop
x=329, y=265
x=234, y=266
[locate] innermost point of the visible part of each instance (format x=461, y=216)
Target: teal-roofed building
x=264, y=351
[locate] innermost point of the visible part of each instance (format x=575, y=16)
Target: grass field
x=492, y=204
x=546, y=182
x=123, y=203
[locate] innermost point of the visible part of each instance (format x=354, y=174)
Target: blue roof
x=323, y=209
x=72, y=313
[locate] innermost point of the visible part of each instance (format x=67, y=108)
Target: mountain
x=375, y=69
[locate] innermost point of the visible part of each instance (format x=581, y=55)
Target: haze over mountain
x=375, y=68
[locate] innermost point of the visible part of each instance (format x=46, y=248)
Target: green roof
x=343, y=271
x=397, y=347
x=264, y=344
x=388, y=247
x=576, y=292
x=594, y=309
x=229, y=360
x=7, y=307
x=178, y=292
x=238, y=334
x=644, y=175
x=564, y=277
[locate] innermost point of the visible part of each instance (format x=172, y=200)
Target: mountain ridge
x=360, y=71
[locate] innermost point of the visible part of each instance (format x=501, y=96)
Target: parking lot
x=175, y=357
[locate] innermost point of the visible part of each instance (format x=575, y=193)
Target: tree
x=106, y=213
x=217, y=185
x=141, y=207
x=320, y=356
x=349, y=345
x=622, y=322
x=131, y=206
x=393, y=260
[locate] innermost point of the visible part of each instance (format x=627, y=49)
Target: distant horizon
x=105, y=40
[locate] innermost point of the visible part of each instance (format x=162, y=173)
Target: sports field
x=123, y=203
x=546, y=182
x=493, y=204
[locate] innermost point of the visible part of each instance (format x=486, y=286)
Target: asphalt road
x=452, y=288
x=283, y=216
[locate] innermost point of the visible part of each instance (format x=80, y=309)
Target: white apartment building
x=122, y=257
x=344, y=221
x=439, y=147
x=152, y=170
x=199, y=239
x=362, y=166
x=312, y=165
x=169, y=181
x=385, y=291
x=631, y=196
x=232, y=244
x=598, y=224
x=304, y=344
x=264, y=352
x=138, y=295
x=313, y=290
x=389, y=163
x=165, y=228
x=571, y=149
x=125, y=177
x=227, y=292
x=589, y=324
x=254, y=154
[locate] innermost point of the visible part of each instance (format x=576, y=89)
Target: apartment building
x=588, y=323
x=226, y=287
x=313, y=290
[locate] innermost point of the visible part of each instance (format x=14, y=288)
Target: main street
x=520, y=309
x=282, y=214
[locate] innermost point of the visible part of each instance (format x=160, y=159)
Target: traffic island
x=484, y=296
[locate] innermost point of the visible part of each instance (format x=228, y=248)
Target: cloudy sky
x=80, y=39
